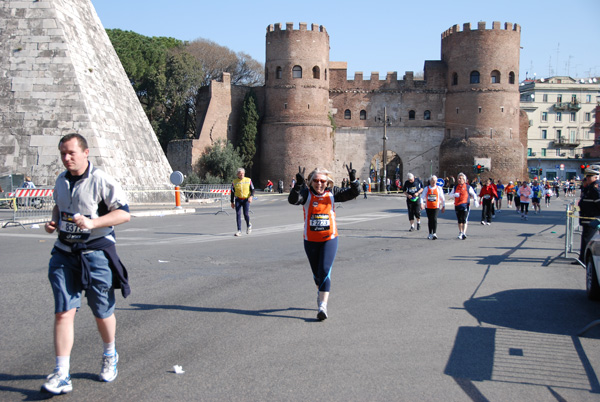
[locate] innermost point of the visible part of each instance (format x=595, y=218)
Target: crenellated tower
x=296, y=129
x=482, y=101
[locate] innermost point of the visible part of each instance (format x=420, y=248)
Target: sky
x=557, y=37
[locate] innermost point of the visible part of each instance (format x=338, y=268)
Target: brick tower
x=296, y=129
x=482, y=101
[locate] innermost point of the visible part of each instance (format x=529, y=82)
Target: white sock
x=109, y=348
x=63, y=364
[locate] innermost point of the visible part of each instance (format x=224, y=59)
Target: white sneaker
x=58, y=384
x=482, y=222
x=109, y=371
x=249, y=230
x=434, y=237
x=430, y=237
x=460, y=235
x=488, y=223
x=238, y=233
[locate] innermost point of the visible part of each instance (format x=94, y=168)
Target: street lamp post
x=384, y=156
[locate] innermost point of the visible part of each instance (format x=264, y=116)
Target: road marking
x=137, y=236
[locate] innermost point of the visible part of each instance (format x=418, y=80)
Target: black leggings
x=432, y=219
x=524, y=207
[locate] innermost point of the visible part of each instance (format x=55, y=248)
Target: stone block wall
x=60, y=74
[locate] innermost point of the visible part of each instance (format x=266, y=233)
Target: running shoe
x=109, y=370
x=430, y=237
x=412, y=229
x=418, y=226
x=460, y=235
x=249, y=230
x=464, y=236
x=434, y=237
x=57, y=384
x=488, y=223
x=238, y=233
x=482, y=222
x=322, y=314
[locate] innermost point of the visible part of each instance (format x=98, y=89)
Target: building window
x=427, y=115
x=573, y=136
x=558, y=116
x=511, y=77
x=529, y=151
x=495, y=77
x=325, y=74
x=544, y=134
x=588, y=98
x=456, y=110
x=316, y=72
x=411, y=115
x=278, y=73
x=454, y=79
x=545, y=98
x=544, y=116
x=297, y=72
x=347, y=114
x=587, y=116
x=479, y=109
x=363, y=115
x=285, y=105
x=543, y=151
x=501, y=109
x=474, y=77
x=557, y=151
x=558, y=134
x=574, y=98
x=573, y=116
x=558, y=98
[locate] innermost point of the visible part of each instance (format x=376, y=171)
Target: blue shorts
x=64, y=273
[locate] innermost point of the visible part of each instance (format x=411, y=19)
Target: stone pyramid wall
x=60, y=74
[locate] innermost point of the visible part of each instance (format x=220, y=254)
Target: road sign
x=440, y=182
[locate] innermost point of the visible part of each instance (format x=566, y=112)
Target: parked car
x=592, y=268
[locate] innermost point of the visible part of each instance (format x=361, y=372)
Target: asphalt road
x=490, y=318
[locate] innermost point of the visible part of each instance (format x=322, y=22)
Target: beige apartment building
x=561, y=112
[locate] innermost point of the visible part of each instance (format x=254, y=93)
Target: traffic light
x=583, y=167
x=479, y=168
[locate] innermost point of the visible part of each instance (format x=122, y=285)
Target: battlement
x=481, y=26
x=289, y=26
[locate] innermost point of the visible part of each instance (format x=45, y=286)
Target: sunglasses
x=319, y=181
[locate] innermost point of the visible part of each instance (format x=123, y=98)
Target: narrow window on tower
x=411, y=115
x=427, y=115
x=495, y=77
x=316, y=72
x=456, y=110
x=474, y=77
x=455, y=79
x=297, y=72
x=511, y=78
x=479, y=109
x=363, y=115
x=285, y=105
x=278, y=73
x=347, y=114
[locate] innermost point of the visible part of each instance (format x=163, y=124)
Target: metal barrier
x=571, y=210
x=31, y=205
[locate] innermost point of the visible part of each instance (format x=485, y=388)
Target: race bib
x=69, y=231
x=432, y=197
x=487, y=196
x=319, y=222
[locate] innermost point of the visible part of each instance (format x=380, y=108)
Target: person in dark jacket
x=589, y=208
x=318, y=199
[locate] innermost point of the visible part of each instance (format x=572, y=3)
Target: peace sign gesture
x=300, y=176
x=351, y=172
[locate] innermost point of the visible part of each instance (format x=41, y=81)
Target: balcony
x=567, y=106
x=564, y=142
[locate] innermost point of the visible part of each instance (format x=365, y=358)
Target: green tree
x=219, y=163
x=248, y=129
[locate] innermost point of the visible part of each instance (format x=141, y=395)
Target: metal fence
x=31, y=205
